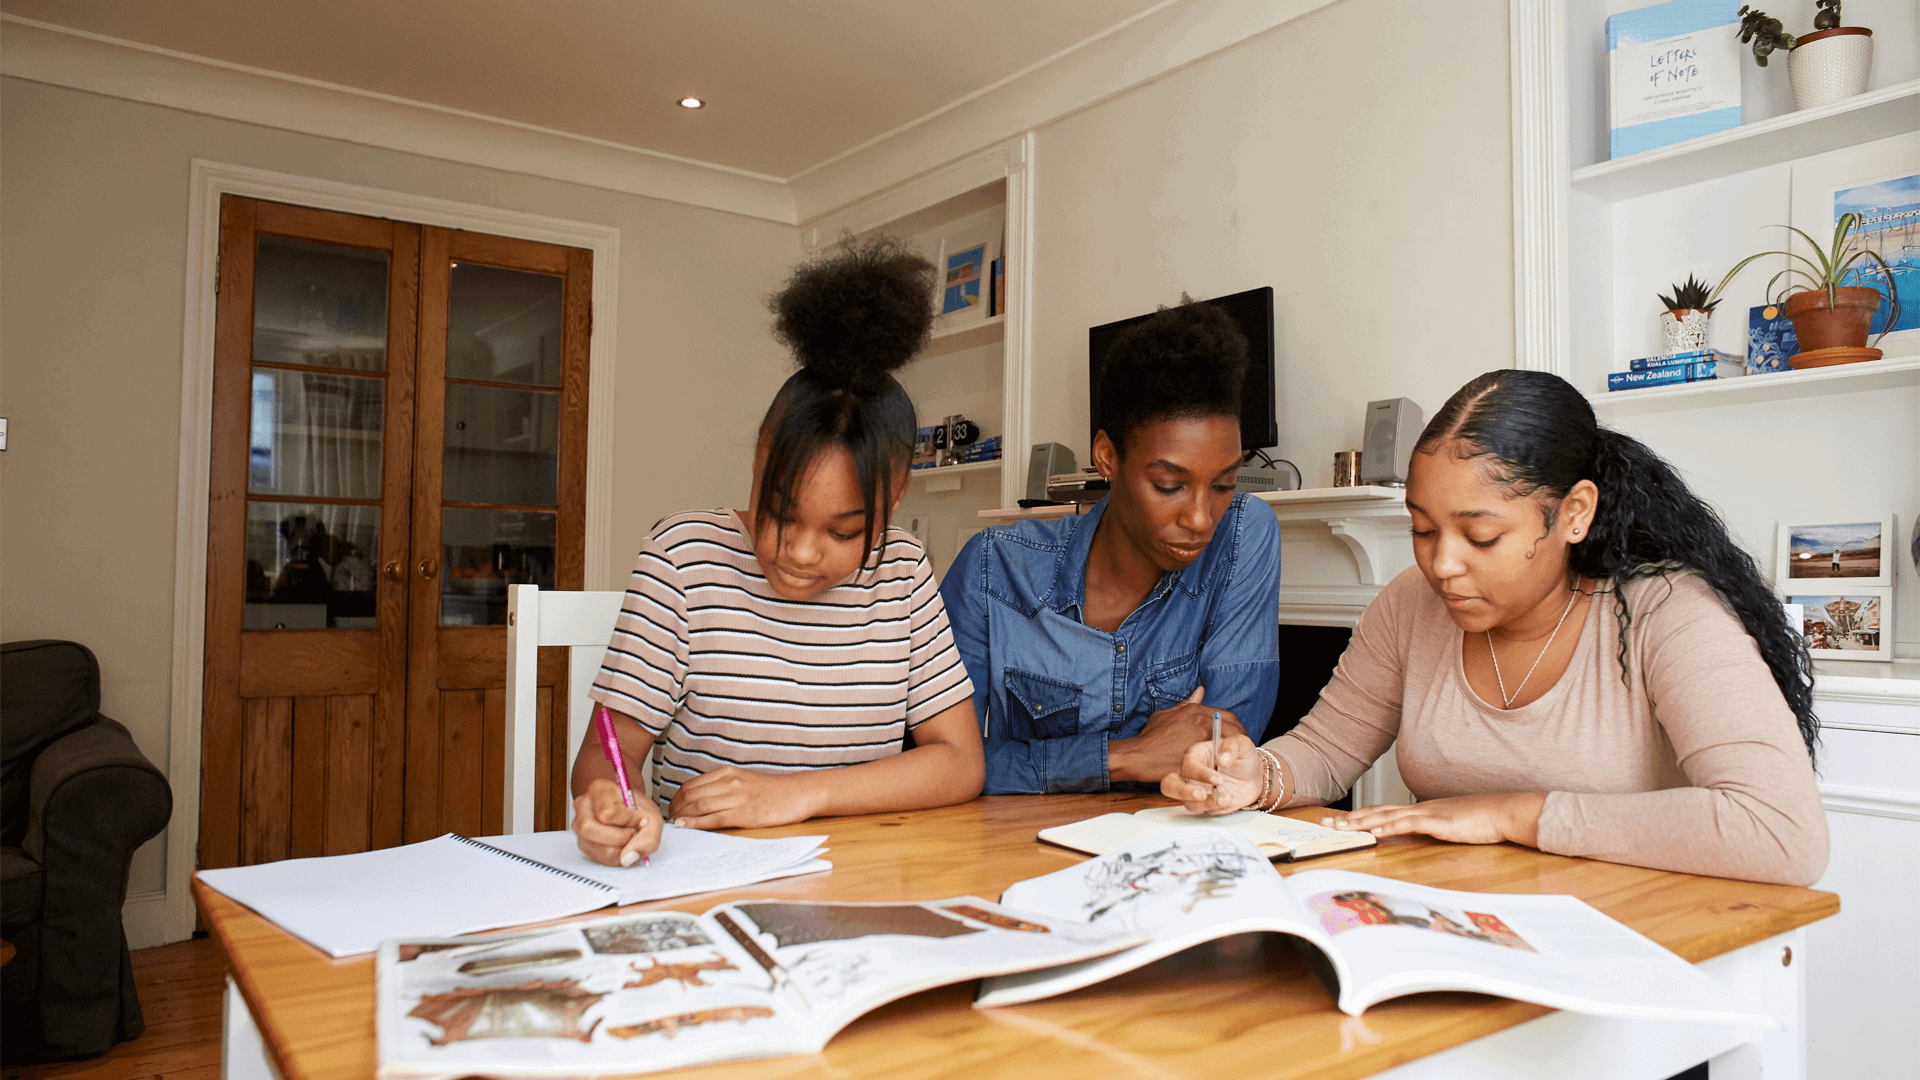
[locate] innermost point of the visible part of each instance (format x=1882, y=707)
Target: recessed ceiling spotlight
x=691, y=103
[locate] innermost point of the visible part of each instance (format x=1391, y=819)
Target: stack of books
x=984, y=450
x=1697, y=365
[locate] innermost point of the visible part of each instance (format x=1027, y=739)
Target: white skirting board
x=144, y=917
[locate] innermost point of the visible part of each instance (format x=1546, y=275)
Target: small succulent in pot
x=1690, y=295
x=1684, y=326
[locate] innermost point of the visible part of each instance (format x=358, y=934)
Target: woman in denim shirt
x=1100, y=646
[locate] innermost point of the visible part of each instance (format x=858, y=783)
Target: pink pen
x=610, y=745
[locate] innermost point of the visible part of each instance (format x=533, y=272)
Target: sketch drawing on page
x=831, y=974
x=671, y=1025
x=687, y=975
x=1192, y=869
x=529, y=1010
x=803, y=924
x=647, y=935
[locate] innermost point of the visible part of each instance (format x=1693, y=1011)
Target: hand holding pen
x=612, y=825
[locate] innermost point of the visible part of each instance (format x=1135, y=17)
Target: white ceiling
x=789, y=83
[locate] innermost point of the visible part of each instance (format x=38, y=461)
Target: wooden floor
x=180, y=990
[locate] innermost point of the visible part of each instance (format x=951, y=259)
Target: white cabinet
x=1863, y=965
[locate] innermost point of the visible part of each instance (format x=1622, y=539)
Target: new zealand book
x=1697, y=371
x=1673, y=73
x=662, y=989
x=1371, y=938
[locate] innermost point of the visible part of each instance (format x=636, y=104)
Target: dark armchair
x=76, y=798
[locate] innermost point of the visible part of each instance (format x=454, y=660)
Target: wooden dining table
x=1242, y=1007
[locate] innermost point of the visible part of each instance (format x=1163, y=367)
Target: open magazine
x=1381, y=938
x=661, y=990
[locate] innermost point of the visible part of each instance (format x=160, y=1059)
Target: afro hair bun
x=854, y=314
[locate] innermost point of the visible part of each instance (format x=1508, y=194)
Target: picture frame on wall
x=1847, y=623
x=1880, y=181
x=1853, y=553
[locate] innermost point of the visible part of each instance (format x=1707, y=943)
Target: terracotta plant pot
x=1830, y=65
x=1842, y=326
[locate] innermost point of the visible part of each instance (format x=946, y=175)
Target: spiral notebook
x=450, y=885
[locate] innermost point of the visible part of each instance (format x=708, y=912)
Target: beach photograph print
x=1848, y=550
x=1347, y=910
x=1890, y=225
x=1842, y=624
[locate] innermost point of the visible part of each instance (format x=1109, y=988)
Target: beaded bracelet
x=1266, y=783
x=1279, y=796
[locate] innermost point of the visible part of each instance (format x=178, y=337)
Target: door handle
x=394, y=571
x=429, y=568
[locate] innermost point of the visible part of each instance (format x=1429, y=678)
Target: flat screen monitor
x=1252, y=311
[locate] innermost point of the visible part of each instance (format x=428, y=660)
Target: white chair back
x=584, y=622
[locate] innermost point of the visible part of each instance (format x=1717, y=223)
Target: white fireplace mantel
x=1338, y=546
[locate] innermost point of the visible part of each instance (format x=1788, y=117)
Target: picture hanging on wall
x=1880, y=181
x=1832, y=555
x=1846, y=624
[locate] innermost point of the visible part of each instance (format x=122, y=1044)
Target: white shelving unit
x=1875, y=115
x=1885, y=373
x=976, y=369
x=1594, y=241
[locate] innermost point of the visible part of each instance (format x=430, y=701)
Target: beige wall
x=1356, y=159
x=93, y=212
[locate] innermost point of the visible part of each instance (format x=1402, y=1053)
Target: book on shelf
x=1673, y=73
x=1672, y=374
x=346, y=904
x=1726, y=364
x=1278, y=836
x=1370, y=938
x=658, y=990
x=1770, y=339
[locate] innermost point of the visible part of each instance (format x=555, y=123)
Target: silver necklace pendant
x=1506, y=699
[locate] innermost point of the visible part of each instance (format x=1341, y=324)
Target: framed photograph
x=965, y=250
x=1880, y=181
x=1850, y=554
x=1846, y=625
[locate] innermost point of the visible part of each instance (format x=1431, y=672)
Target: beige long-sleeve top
x=1694, y=763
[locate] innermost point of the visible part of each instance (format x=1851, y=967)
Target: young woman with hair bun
x=1582, y=661
x=793, y=659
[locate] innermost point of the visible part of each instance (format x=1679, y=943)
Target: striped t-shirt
x=724, y=671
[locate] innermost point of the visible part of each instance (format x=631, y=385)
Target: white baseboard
x=144, y=917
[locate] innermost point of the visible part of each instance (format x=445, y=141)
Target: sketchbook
x=1279, y=837
x=661, y=990
x=1371, y=938
x=347, y=904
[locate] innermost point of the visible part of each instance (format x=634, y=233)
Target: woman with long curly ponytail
x=793, y=659
x=1583, y=660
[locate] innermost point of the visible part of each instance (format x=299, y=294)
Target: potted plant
x=1831, y=312
x=1831, y=64
x=1683, y=326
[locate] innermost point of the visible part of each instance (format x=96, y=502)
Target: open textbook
x=1279, y=837
x=1381, y=938
x=660, y=990
x=346, y=904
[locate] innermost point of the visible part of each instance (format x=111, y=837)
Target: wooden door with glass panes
x=499, y=500
x=325, y=525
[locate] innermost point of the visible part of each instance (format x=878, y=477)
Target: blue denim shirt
x=1051, y=691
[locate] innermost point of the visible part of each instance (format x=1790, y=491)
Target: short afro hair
x=1179, y=363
